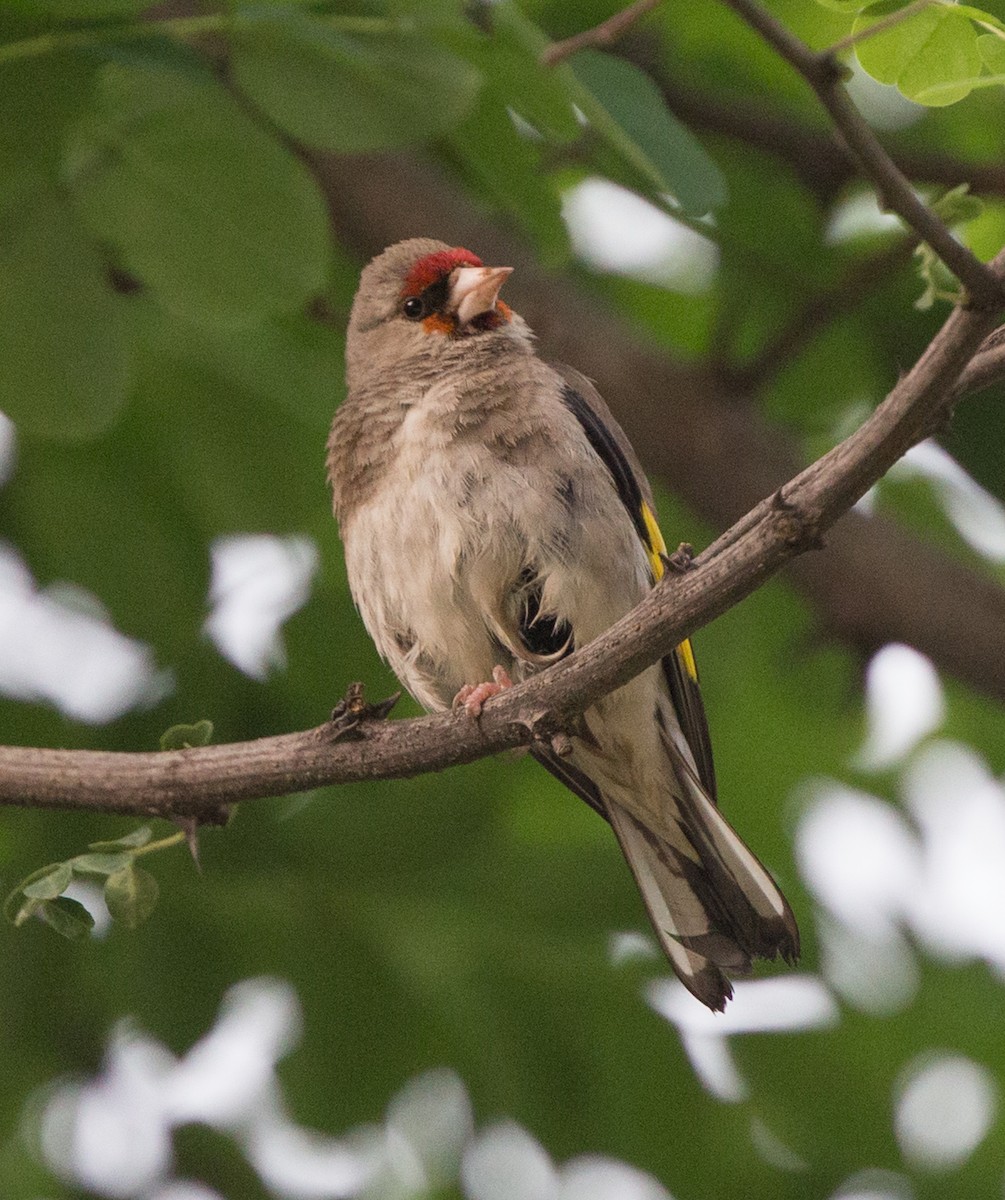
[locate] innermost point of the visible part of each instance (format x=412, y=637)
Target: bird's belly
x=410, y=554
x=433, y=557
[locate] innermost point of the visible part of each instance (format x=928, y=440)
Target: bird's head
x=425, y=301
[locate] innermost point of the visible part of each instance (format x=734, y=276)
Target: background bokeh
x=449, y=979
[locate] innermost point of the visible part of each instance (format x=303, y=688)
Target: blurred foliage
x=164, y=257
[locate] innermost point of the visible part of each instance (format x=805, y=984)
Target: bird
x=494, y=517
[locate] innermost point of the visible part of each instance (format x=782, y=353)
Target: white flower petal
x=432, y=1115
x=229, y=1074
x=859, y=857
x=979, y=516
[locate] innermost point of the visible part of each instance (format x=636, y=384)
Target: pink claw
x=473, y=695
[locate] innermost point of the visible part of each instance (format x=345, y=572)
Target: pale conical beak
x=475, y=290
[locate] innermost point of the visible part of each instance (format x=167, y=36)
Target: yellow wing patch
x=686, y=656
x=656, y=548
x=655, y=545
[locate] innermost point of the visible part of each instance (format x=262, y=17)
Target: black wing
x=615, y=452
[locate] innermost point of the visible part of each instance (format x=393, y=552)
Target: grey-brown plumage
x=493, y=514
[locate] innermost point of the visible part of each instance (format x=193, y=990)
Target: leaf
x=957, y=206
x=65, y=364
x=184, y=737
x=199, y=202
x=83, y=10
x=130, y=841
x=351, y=93
x=39, y=96
x=992, y=50
x=50, y=885
x=847, y=6
x=100, y=864
x=510, y=56
x=932, y=56
x=509, y=167
x=68, y=917
x=131, y=895
x=625, y=108
x=940, y=283
x=17, y=914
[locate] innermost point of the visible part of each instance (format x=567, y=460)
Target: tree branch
x=987, y=367
x=877, y=582
x=818, y=157
x=196, y=782
x=824, y=74
x=600, y=35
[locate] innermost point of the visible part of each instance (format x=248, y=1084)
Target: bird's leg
x=473, y=695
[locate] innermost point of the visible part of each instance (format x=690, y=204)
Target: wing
x=615, y=451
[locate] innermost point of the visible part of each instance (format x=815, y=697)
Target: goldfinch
x=494, y=518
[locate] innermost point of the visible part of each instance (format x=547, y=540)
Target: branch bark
x=600, y=35
x=824, y=74
x=197, y=782
x=818, y=158
x=875, y=582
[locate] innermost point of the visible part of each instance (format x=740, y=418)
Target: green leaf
x=184, y=737
x=39, y=96
x=847, y=6
x=932, y=56
x=510, y=55
x=350, y=93
x=957, y=206
x=940, y=283
x=983, y=18
x=131, y=895
x=508, y=166
x=100, y=864
x=68, y=917
x=625, y=107
x=65, y=365
x=202, y=205
x=21, y=911
x=131, y=841
x=992, y=50
x=82, y=10
x=50, y=885
x=15, y=909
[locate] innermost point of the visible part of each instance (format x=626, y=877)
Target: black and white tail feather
x=713, y=905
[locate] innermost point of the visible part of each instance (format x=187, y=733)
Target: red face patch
x=434, y=267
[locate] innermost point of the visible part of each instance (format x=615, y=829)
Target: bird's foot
x=472, y=696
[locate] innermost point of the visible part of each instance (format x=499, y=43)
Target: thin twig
x=187, y=782
x=600, y=35
x=986, y=368
x=880, y=26
x=824, y=74
x=817, y=157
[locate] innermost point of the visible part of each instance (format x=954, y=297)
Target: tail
x=712, y=904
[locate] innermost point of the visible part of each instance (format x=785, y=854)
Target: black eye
x=413, y=308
